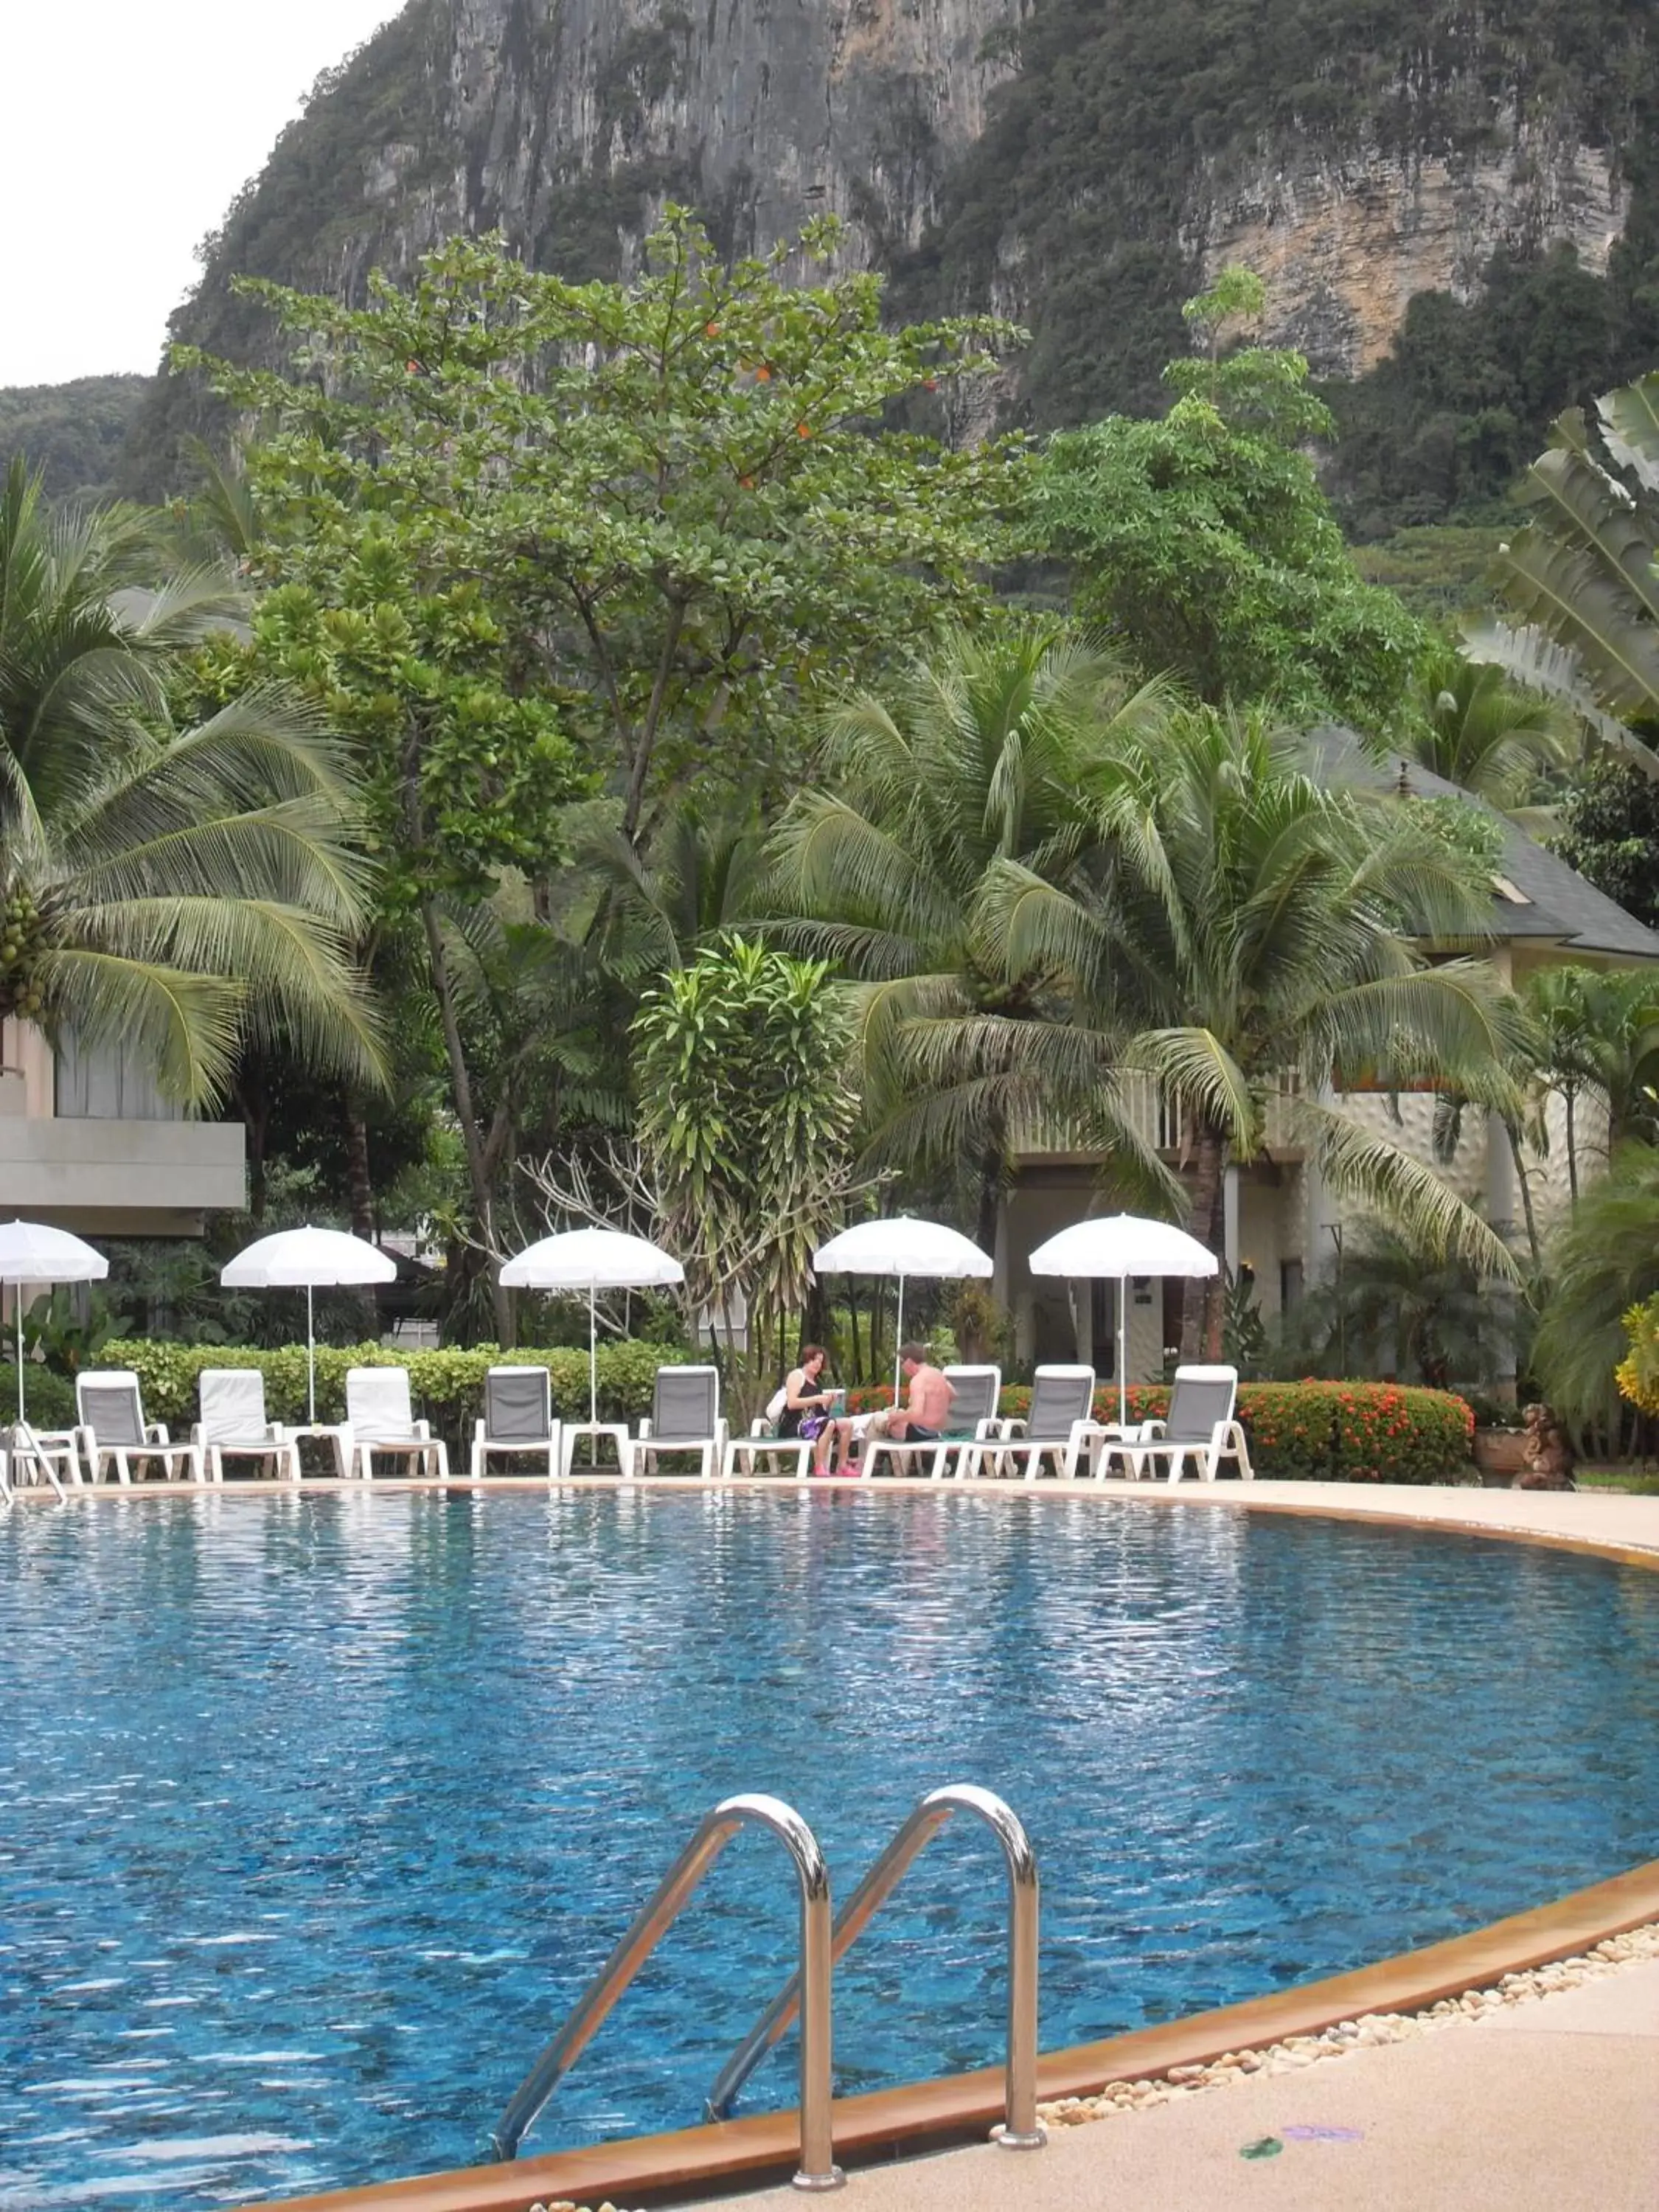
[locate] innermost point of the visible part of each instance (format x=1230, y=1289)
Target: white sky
x=129, y=130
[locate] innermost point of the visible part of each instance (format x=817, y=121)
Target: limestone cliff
x=1345, y=238
x=1078, y=164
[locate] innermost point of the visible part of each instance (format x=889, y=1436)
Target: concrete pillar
x=1230, y=1218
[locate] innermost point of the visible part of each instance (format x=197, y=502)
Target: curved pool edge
x=926, y=2115
x=694, y=2164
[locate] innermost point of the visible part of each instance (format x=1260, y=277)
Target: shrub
x=447, y=1385
x=50, y=1398
x=1325, y=1431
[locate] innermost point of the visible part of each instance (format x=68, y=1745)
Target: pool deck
x=1549, y=2107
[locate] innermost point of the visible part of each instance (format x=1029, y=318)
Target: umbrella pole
x=1122, y=1351
x=593, y=1368
x=17, y=1303
x=311, y=1358
x=898, y=1339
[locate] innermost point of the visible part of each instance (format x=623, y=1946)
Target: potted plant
x=1500, y=1439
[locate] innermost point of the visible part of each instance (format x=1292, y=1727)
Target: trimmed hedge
x=50, y=1398
x=446, y=1386
x=1326, y=1431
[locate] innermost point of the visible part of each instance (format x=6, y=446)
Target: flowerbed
x=1327, y=1431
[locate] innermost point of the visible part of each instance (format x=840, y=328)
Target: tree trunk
x=1201, y=1311
x=460, y=1081
x=1524, y=1184
x=1572, y=1152
x=252, y=1106
x=990, y=1199
x=359, y=1190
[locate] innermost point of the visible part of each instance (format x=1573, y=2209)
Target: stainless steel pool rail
x=818, y=2170
x=1020, y=2130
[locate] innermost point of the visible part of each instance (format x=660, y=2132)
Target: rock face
x=570, y=121
x=1345, y=242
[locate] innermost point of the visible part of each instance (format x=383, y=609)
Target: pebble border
x=1369, y=2029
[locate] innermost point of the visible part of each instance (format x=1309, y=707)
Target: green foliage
x=50, y=1396
x=1227, y=920
x=1476, y=728
x=1125, y=124
x=744, y=1118
x=1580, y=581
x=447, y=1385
x=1447, y=421
x=1326, y=1431
x=71, y=435
x=978, y=754
x=1608, y=829
x=676, y=488
x=1205, y=541
x=56, y=1333
x=1437, y=571
x=172, y=893
x=1603, y=1260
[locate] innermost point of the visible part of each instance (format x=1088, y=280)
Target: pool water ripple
x=315, y=1813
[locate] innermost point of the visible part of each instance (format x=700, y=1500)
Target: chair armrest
x=85, y=1441
x=760, y=1426
x=478, y=1430
x=1152, y=1430
x=156, y=1433
x=1014, y=1426
x=645, y=1429
x=195, y=1434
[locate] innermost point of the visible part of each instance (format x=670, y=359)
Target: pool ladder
x=806, y=1993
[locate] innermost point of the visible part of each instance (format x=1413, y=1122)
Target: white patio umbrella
x=902, y=1246
x=1121, y=1245
x=34, y=1252
x=310, y=1260
x=592, y=1259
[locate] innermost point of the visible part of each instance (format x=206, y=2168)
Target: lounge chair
x=1199, y=1425
x=685, y=1417
x=517, y=1417
x=32, y=1456
x=380, y=1417
x=111, y=1426
x=1056, y=1427
x=973, y=1420
x=232, y=1409
x=763, y=1442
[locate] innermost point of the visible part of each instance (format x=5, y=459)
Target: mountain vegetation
x=73, y=436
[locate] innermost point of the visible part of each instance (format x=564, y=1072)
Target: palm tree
x=1604, y=1259
x=1597, y=1037
x=1478, y=729
x=971, y=760
x=171, y=893
x=1237, y=932
x=1580, y=578
x=661, y=901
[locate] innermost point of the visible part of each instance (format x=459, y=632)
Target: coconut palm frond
x=1374, y=1172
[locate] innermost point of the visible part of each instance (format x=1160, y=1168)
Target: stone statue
x=1546, y=1453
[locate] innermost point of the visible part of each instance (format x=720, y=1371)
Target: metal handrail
x=1020, y=2130
x=819, y=2169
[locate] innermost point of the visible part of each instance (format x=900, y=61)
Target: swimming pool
x=316, y=1811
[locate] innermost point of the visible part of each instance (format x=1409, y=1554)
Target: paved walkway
x=1551, y=2106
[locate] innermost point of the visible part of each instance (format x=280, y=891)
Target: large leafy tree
x=1580, y=579
x=680, y=491
x=1203, y=537
x=975, y=755
x=1239, y=935
x=176, y=894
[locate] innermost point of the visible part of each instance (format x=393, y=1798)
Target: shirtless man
x=921, y=1420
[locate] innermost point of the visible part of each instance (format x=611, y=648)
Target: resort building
x=87, y=1143
x=1283, y=1225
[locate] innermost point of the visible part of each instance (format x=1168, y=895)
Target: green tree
x=1580, y=579
x=1205, y=541
x=174, y=894
x=1603, y=1260
x=1480, y=730
x=1607, y=828
x=1239, y=936
x=679, y=490
x=1598, y=1039
x=746, y=1119
x=973, y=757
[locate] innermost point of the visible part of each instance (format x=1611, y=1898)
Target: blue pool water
x=316, y=1812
